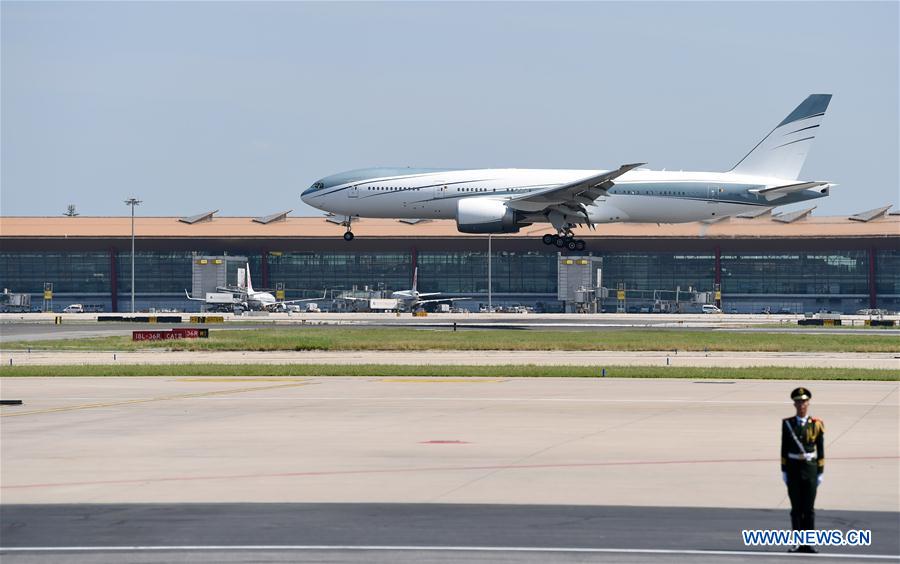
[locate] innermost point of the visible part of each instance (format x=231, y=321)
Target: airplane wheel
x=559, y=242
x=348, y=236
x=580, y=245
x=548, y=239
x=571, y=245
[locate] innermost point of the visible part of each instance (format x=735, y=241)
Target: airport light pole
x=490, y=304
x=132, y=202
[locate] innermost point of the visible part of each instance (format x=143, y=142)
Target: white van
x=74, y=308
x=709, y=308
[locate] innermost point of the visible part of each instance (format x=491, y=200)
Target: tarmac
x=600, y=359
x=429, y=469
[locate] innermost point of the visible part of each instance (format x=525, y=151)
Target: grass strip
x=408, y=339
x=388, y=370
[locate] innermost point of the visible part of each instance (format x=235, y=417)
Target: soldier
x=802, y=463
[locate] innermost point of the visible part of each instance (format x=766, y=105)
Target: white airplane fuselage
x=504, y=200
x=638, y=195
x=261, y=300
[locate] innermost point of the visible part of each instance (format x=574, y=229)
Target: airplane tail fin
x=782, y=152
x=249, y=283
x=415, y=279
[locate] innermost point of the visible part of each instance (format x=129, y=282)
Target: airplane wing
x=420, y=302
x=574, y=194
x=778, y=191
x=325, y=293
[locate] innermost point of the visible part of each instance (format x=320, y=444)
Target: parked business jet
x=411, y=299
x=259, y=300
x=505, y=200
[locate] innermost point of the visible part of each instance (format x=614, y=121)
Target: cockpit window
x=317, y=186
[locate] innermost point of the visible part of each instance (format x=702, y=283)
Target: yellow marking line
x=147, y=400
x=250, y=379
x=444, y=380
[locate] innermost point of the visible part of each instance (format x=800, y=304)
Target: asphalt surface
x=33, y=331
x=597, y=359
x=393, y=532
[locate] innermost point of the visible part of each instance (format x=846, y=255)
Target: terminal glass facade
x=68, y=272
x=888, y=277
x=801, y=281
x=155, y=273
x=341, y=271
x=466, y=272
x=659, y=271
x=835, y=273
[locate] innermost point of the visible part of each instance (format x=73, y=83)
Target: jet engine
x=483, y=215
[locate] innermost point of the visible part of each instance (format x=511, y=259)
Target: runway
x=885, y=361
x=281, y=532
x=35, y=327
x=621, y=467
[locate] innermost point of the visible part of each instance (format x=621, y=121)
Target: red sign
x=166, y=335
x=152, y=335
x=191, y=333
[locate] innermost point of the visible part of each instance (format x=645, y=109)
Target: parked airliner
x=505, y=200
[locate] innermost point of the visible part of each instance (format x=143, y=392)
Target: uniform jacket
x=811, y=437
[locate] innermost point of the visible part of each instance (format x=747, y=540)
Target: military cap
x=800, y=394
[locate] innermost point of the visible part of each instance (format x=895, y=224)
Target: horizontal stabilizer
x=776, y=192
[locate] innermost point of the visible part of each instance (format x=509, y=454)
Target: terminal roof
x=318, y=228
x=279, y=216
x=793, y=216
x=755, y=213
x=871, y=214
x=206, y=216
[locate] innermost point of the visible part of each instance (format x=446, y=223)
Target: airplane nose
x=308, y=192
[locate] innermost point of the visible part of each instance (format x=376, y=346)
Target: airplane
x=505, y=200
x=412, y=299
x=255, y=299
x=217, y=301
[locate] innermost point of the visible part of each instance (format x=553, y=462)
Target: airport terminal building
x=795, y=262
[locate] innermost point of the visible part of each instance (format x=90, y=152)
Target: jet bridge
x=211, y=272
x=579, y=282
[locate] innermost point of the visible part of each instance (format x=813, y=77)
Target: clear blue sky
x=240, y=106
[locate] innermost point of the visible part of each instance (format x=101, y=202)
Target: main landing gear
x=564, y=241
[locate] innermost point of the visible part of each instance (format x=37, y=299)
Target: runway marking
x=147, y=400
x=363, y=548
x=439, y=380
x=316, y=473
x=224, y=379
x=522, y=399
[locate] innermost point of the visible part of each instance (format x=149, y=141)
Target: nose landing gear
x=348, y=235
x=566, y=240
